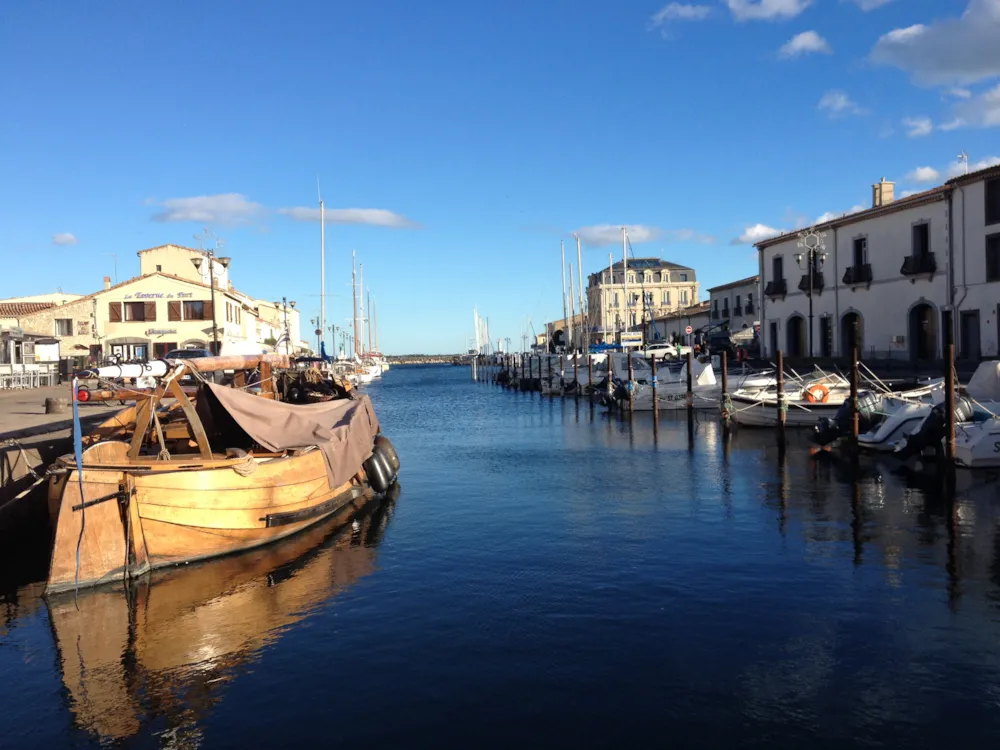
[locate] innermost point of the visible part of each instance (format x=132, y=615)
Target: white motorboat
x=804, y=401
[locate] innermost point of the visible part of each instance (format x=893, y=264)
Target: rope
x=164, y=454
x=246, y=467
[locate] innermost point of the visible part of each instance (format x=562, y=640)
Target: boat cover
x=985, y=383
x=344, y=429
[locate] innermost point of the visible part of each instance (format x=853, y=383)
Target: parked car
x=665, y=350
x=189, y=354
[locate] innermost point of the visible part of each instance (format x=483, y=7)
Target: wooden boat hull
x=132, y=517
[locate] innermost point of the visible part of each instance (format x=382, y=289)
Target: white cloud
x=867, y=5
x=957, y=167
x=756, y=233
x=982, y=111
x=804, y=44
x=924, y=174
x=690, y=235
x=226, y=208
x=831, y=215
x=376, y=217
x=603, y=235
x=766, y=10
x=958, y=92
x=917, y=127
x=955, y=124
x=679, y=12
x=64, y=239
x=838, y=104
x=956, y=50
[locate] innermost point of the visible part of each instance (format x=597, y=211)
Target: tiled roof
x=17, y=309
x=742, y=282
x=170, y=244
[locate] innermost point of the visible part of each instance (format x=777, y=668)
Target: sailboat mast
x=370, y=322
x=354, y=296
x=579, y=271
x=361, y=302
x=625, y=275
x=572, y=310
x=562, y=251
x=322, y=276
x=375, y=318
x=611, y=291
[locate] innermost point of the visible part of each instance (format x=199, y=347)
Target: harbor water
x=548, y=577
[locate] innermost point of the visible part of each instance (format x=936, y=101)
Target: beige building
x=673, y=326
x=654, y=287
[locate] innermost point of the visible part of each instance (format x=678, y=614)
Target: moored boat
x=177, y=478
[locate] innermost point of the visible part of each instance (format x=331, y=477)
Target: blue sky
x=476, y=135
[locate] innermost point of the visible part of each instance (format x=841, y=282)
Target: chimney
x=882, y=193
x=107, y=282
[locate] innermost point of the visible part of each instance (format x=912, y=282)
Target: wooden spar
x=239, y=362
x=127, y=394
x=192, y=417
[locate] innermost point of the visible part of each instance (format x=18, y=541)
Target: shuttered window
x=173, y=311
x=115, y=312
x=993, y=201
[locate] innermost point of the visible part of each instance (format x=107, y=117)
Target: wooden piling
x=576, y=376
x=855, y=381
x=690, y=392
x=590, y=383
x=780, y=401
x=522, y=382
x=631, y=383
x=656, y=403
x=548, y=361
x=949, y=402
x=724, y=403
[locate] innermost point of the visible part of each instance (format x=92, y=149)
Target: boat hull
x=754, y=413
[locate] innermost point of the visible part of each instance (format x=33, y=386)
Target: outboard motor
x=621, y=392
x=930, y=434
x=829, y=429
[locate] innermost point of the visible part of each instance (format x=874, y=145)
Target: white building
x=735, y=306
x=895, y=274
x=673, y=326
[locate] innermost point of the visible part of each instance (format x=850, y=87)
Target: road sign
x=688, y=330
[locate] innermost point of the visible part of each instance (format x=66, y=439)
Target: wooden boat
x=172, y=481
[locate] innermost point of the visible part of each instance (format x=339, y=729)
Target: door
x=826, y=337
x=970, y=335
x=774, y=339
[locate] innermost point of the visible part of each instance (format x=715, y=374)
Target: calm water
x=549, y=578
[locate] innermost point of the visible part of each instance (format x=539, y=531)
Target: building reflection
x=159, y=653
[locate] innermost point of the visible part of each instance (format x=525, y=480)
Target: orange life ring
x=817, y=394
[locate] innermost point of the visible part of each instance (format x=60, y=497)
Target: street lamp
x=284, y=305
x=212, y=261
x=814, y=245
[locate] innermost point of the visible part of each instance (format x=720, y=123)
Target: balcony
x=737, y=311
x=715, y=314
x=921, y=263
x=817, y=282
x=776, y=288
x=748, y=310
x=858, y=275
x=725, y=313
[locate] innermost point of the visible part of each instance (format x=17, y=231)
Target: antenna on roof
x=964, y=157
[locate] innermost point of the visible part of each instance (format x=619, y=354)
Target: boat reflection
x=157, y=655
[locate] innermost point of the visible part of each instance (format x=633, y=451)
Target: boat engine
x=829, y=429
x=930, y=433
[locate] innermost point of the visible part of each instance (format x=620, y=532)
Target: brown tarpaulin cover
x=343, y=429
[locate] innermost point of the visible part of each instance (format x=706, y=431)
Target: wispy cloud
x=755, y=233
x=64, y=239
x=958, y=92
x=867, y=5
x=955, y=50
x=766, y=10
x=917, y=127
x=229, y=209
x=924, y=174
x=376, y=217
x=679, y=12
x=955, y=124
x=831, y=215
x=808, y=42
x=957, y=167
x=603, y=235
x=982, y=111
x=837, y=103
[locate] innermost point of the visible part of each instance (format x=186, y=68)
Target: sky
x=457, y=143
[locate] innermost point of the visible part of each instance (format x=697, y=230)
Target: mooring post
x=781, y=394
x=855, y=416
x=576, y=375
x=656, y=400
x=548, y=362
x=690, y=392
x=521, y=384
x=949, y=402
x=631, y=384
x=724, y=362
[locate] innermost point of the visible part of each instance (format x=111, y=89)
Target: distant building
x=735, y=306
x=673, y=326
x=654, y=287
x=891, y=278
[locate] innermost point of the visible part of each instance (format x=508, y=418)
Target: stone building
x=891, y=278
x=654, y=288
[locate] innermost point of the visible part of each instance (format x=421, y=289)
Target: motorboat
x=803, y=401
x=181, y=476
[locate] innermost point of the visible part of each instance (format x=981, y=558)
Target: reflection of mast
x=162, y=653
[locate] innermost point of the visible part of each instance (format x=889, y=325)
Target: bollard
x=725, y=388
x=690, y=393
x=949, y=402
x=56, y=405
x=548, y=362
x=854, y=398
x=781, y=393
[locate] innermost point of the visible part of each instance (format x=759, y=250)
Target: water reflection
x=160, y=653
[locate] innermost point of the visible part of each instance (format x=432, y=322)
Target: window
x=860, y=252
x=993, y=201
x=196, y=311
x=777, y=268
x=616, y=299
x=648, y=298
x=715, y=303
x=135, y=311
x=993, y=258
x=684, y=296
x=159, y=268
x=921, y=239
x=631, y=278
x=684, y=277
x=737, y=305
x=64, y=327
x=666, y=298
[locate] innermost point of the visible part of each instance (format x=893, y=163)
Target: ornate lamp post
x=212, y=262
x=814, y=245
x=284, y=305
